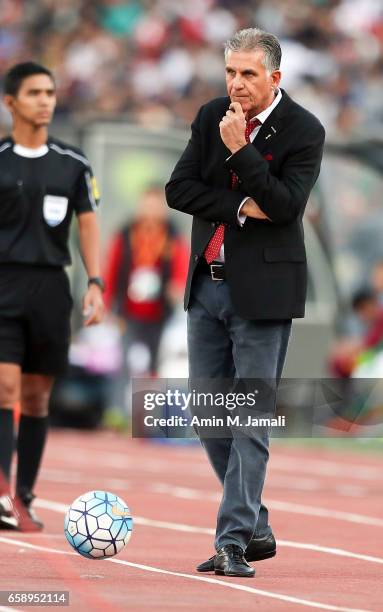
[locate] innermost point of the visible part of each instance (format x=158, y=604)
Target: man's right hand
x=251, y=209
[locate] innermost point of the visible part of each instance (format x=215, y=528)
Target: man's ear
x=276, y=78
x=8, y=102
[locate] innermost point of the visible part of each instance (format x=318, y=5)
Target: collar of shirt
x=265, y=114
x=28, y=152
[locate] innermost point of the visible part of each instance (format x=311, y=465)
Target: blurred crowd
x=360, y=349
x=158, y=60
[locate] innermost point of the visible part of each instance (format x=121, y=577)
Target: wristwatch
x=97, y=280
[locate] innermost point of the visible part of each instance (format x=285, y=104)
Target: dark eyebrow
x=245, y=71
x=36, y=90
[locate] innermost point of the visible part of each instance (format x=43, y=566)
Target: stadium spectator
x=145, y=278
x=367, y=307
x=166, y=55
x=347, y=351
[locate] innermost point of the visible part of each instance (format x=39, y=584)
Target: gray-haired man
x=245, y=176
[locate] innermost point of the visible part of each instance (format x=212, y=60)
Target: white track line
x=330, y=550
x=314, y=467
x=281, y=506
x=241, y=587
x=62, y=476
x=140, y=520
x=276, y=482
x=5, y=609
x=215, y=581
x=324, y=468
x=124, y=463
x=277, y=505
x=350, y=517
x=282, y=481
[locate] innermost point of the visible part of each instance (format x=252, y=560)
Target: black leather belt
x=215, y=270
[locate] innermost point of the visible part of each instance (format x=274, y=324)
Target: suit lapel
x=273, y=124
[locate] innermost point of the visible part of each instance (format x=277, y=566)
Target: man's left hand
x=93, y=306
x=232, y=128
x=251, y=209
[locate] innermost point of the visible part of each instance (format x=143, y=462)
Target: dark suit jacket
x=265, y=261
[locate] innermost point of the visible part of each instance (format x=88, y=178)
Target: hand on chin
x=244, y=102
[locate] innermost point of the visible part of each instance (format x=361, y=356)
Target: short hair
x=362, y=296
x=16, y=75
x=252, y=39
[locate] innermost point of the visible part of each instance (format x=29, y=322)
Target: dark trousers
x=224, y=346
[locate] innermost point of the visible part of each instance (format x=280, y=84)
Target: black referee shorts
x=35, y=308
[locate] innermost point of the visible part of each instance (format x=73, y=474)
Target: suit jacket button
x=196, y=257
x=213, y=224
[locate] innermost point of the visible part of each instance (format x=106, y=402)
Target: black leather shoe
x=261, y=548
x=257, y=550
x=229, y=561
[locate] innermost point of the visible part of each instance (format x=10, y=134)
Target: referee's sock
x=30, y=446
x=6, y=444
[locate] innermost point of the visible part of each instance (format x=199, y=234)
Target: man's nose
x=237, y=82
x=45, y=101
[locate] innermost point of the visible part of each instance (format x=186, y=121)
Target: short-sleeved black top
x=39, y=190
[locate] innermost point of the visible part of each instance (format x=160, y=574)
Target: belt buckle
x=219, y=266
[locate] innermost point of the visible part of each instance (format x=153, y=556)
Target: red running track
x=325, y=507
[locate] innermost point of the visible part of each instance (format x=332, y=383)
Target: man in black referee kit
x=42, y=182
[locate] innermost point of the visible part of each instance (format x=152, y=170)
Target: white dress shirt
x=261, y=118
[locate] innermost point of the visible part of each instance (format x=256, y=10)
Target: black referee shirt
x=39, y=190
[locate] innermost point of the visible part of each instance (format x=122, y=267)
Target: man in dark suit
x=245, y=176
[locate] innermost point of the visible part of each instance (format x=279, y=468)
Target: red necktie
x=213, y=248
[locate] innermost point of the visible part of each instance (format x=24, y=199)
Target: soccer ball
x=98, y=525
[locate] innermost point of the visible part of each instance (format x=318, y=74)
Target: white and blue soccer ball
x=98, y=525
